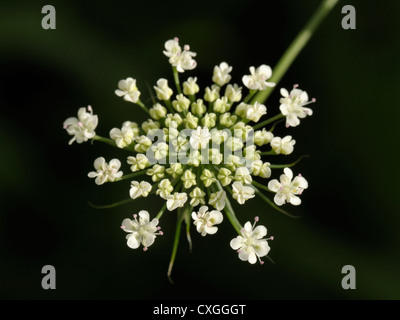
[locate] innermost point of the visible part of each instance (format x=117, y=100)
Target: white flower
x=225, y=176
x=262, y=137
x=180, y=144
x=256, y=111
x=217, y=200
x=158, y=112
x=156, y=172
x=194, y=158
x=250, y=244
x=162, y=90
x=207, y=177
x=205, y=221
x=143, y=143
x=198, y=108
x=227, y=120
x=233, y=93
x=138, y=163
x=123, y=137
x=127, y=89
x=160, y=150
x=164, y=188
x=175, y=170
x=234, y=143
x=284, y=146
x=233, y=162
x=221, y=105
x=242, y=193
x=287, y=190
x=257, y=79
x=176, y=200
x=292, y=106
x=200, y=138
x=209, y=120
x=105, y=172
x=261, y=169
x=190, y=87
x=241, y=109
x=221, y=74
x=242, y=175
x=188, y=178
x=81, y=128
x=173, y=120
x=190, y=121
x=141, y=189
x=181, y=103
x=142, y=231
x=197, y=197
x=212, y=94
x=182, y=60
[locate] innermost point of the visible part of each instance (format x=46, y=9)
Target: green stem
x=176, y=79
x=132, y=175
x=268, y=121
x=268, y=153
x=144, y=108
x=249, y=96
x=169, y=106
x=111, y=142
x=112, y=205
x=271, y=203
x=282, y=166
x=261, y=186
x=176, y=243
x=296, y=46
x=230, y=213
x=160, y=213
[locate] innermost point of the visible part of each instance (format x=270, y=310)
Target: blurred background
x=350, y=214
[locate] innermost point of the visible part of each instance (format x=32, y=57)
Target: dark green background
x=350, y=211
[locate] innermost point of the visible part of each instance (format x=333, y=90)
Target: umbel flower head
x=201, y=152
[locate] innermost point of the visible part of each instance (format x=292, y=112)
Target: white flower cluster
x=197, y=148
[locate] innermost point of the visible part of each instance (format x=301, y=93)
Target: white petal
x=288, y=172
x=144, y=217
x=295, y=200
x=274, y=185
x=216, y=216
x=259, y=232
x=134, y=241
x=99, y=162
x=128, y=226
x=279, y=199
x=236, y=243
x=261, y=247
x=210, y=230
x=148, y=239
x=252, y=257
x=244, y=254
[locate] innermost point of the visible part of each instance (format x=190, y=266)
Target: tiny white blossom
x=258, y=168
x=207, y=177
x=292, y=106
x=141, y=189
x=221, y=105
x=256, y=111
x=242, y=193
x=194, y=158
x=142, y=231
x=217, y=200
x=227, y=120
x=283, y=146
x=162, y=90
x=188, y=178
x=209, y=120
x=180, y=144
x=250, y=244
x=190, y=86
x=241, y=109
x=81, y=128
x=221, y=74
x=123, y=137
x=233, y=162
x=262, y=137
x=233, y=93
x=138, y=163
x=198, y=108
x=191, y=121
x=197, y=197
x=182, y=60
x=205, y=221
x=257, y=78
x=200, y=138
x=105, y=172
x=143, y=143
x=242, y=175
x=225, y=176
x=286, y=189
x=160, y=150
x=127, y=89
x=156, y=172
x=158, y=112
x=164, y=188
x=212, y=94
x=181, y=103
x=175, y=170
x=176, y=200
